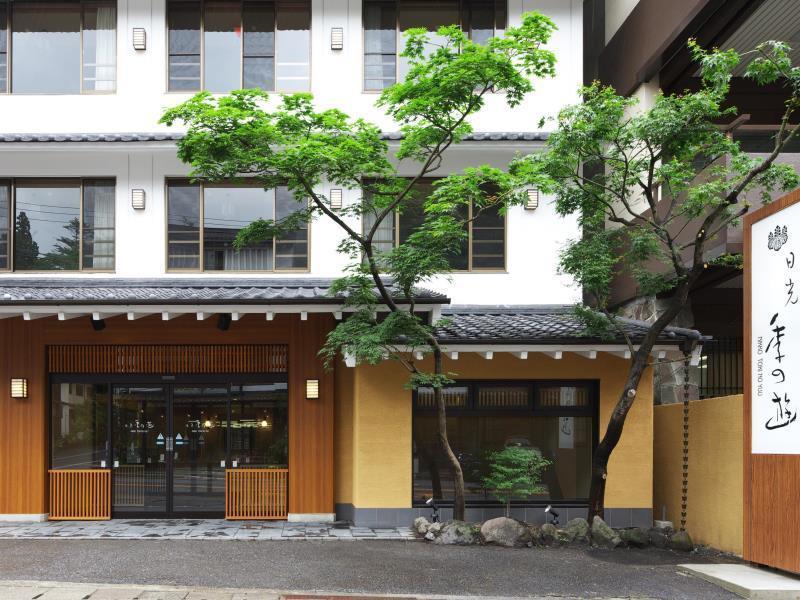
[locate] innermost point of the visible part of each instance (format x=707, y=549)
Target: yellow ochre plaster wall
x=373, y=425
x=715, y=497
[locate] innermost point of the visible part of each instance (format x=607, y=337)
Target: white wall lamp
x=312, y=389
x=532, y=203
x=19, y=388
x=337, y=38
x=139, y=38
x=336, y=199
x=138, y=199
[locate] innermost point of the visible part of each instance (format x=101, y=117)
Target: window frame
x=592, y=411
x=242, y=56
x=12, y=182
x=462, y=11
x=470, y=269
x=9, y=53
x=201, y=258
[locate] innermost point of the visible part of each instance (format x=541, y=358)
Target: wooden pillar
x=310, y=422
x=23, y=422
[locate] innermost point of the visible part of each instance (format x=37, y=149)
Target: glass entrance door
x=200, y=434
x=140, y=438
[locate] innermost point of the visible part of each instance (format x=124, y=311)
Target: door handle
x=169, y=443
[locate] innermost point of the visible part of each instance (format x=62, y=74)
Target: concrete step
x=747, y=581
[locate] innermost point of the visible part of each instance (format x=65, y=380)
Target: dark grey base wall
x=403, y=517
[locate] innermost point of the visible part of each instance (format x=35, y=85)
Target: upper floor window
x=203, y=221
x=57, y=224
x=58, y=47
x=221, y=46
x=386, y=20
x=483, y=248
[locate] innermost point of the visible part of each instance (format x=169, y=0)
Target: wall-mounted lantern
x=139, y=38
x=312, y=389
x=532, y=203
x=337, y=38
x=19, y=388
x=138, y=199
x=336, y=199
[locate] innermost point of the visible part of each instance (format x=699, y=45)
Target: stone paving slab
x=747, y=581
x=197, y=529
x=41, y=590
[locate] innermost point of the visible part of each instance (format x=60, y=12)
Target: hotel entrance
x=169, y=445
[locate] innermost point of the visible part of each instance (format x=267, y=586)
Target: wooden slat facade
x=177, y=359
x=80, y=494
x=24, y=349
x=256, y=494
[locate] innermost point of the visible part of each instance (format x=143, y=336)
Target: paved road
x=360, y=567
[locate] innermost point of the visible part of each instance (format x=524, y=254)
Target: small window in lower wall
x=490, y=416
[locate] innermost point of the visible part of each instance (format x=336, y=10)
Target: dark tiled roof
x=53, y=291
x=534, y=325
x=478, y=136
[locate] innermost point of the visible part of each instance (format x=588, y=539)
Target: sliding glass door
x=141, y=438
x=168, y=445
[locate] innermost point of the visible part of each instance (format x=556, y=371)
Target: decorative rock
x=577, y=530
x=548, y=533
x=658, y=537
x=603, y=535
x=459, y=533
x=435, y=528
x=680, y=541
x=635, y=537
x=536, y=536
x=505, y=532
x=429, y=536
x=421, y=525
x=663, y=525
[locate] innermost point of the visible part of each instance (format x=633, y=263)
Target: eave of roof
x=150, y=137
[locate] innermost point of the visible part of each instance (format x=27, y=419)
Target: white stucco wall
x=534, y=237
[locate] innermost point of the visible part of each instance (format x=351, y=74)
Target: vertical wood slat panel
x=80, y=494
x=195, y=359
x=256, y=493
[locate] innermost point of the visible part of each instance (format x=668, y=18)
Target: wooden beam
x=521, y=355
x=453, y=355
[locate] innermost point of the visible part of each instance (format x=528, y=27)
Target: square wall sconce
x=336, y=199
x=312, y=389
x=138, y=199
x=139, y=38
x=337, y=38
x=19, y=388
x=532, y=203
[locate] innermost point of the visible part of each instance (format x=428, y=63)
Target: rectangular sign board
x=775, y=339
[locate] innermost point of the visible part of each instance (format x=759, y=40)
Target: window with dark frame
x=483, y=249
x=557, y=419
x=57, y=224
x=219, y=45
x=58, y=47
x=203, y=221
x=385, y=21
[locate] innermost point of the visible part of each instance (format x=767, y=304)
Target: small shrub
x=515, y=471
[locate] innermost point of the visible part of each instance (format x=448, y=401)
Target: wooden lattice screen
x=256, y=493
x=80, y=494
x=183, y=359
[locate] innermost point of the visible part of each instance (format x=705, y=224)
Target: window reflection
x=5, y=223
x=46, y=236
x=260, y=426
x=79, y=425
x=385, y=22
x=61, y=47
x=226, y=210
x=554, y=420
x=252, y=44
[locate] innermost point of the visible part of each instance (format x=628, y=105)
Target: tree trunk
x=455, y=466
x=616, y=423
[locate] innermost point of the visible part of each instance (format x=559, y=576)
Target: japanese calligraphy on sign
x=775, y=322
